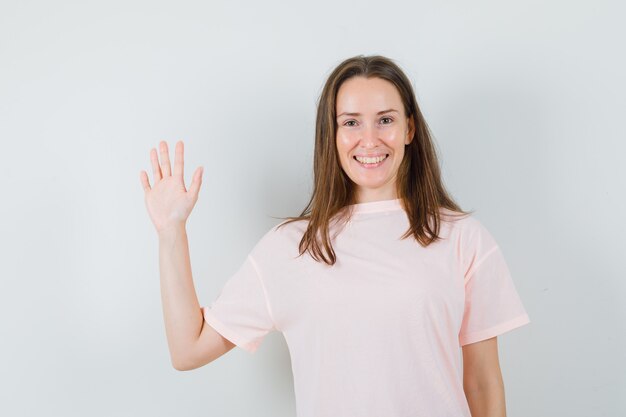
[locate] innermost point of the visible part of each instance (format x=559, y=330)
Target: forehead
x=365, y=95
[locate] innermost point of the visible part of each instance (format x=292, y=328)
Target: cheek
x=394, y=135
x=343, y=137
x=344, y=143
x=395, y=140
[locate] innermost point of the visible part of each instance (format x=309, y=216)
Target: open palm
x=168, y=201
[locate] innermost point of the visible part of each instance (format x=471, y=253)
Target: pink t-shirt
x=379, y=333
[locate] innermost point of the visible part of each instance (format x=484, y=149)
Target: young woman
x=375, y=286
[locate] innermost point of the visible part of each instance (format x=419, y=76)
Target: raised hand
x=168, y=201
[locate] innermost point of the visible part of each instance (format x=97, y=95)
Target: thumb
x=194, y=188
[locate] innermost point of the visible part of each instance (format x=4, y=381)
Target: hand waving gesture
x=168, y=202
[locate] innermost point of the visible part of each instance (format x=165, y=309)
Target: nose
x=370, y=138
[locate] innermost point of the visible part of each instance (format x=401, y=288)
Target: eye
x=349, y=121
x=389, y=118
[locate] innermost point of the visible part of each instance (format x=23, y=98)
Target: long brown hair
x=419, y=183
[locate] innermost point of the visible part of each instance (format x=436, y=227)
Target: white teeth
x=366, y=160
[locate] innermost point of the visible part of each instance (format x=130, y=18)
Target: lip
x=372, y=155
x=371, y=166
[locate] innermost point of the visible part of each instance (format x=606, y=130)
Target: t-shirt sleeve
x=492, y=304
x=241, y=312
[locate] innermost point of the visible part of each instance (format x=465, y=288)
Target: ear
x=411, y=130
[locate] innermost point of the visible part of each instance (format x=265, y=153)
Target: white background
x=526, y=101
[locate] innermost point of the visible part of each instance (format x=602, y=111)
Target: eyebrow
x=358, y=114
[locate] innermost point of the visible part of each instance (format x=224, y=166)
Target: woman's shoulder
x=289, y=228
x=283, y=236
x=468, y=229
x=455, y=218
x=460, y=223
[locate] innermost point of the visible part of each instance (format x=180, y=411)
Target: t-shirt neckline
x=376, y=206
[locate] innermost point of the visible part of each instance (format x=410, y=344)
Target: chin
x=370, y=185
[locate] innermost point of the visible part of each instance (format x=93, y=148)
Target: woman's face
x=371, y=123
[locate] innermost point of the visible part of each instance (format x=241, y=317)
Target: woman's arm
x=192, y=342
x=482, y=379
x=169, y=204
x=181, y=309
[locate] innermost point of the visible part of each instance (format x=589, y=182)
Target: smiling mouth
x=371, y=161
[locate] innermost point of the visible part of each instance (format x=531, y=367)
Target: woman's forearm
x=181, y=310
x=487, y=401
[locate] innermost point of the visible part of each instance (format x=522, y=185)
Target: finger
x=166, y=168
x=145, y=182
x=179, y=162
x=194, y=188
x=156, y=168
